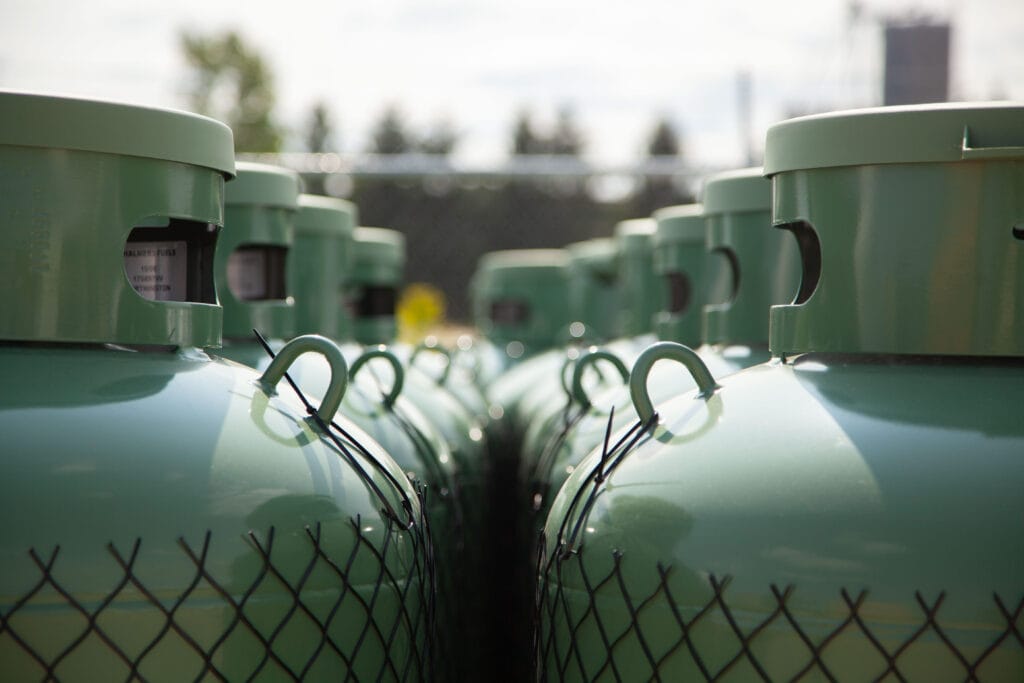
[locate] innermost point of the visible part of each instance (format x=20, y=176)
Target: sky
x=476, y=63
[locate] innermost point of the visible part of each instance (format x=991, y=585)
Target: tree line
x=447, y=226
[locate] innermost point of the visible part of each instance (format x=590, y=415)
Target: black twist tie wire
x=346, y=454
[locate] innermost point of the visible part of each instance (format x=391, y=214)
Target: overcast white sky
x=476, y=62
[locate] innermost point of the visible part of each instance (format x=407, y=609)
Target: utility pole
x=744, y=107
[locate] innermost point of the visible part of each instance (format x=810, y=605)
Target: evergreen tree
x=656, y=192
x=318, y=133
x=441, y=139
x=318, y=141
x=566, y=137
x=389, y=134
x=663, y=140
x=525, y=139
x=231, y=81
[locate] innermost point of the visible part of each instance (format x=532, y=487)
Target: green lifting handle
x=436, y=348
x=578, y=393
x=326, y=348
x=566, y=384
x=666, y=351
x=396, y=366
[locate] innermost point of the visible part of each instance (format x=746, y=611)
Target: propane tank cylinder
x=593, y=290
x=674, y=253
x=250, y=265
x=758, y=267
x=521, y=300
x=379, y=399
x=681, y=268
x=378, y=258
x=169, y=515
x=426, y=429
x=640, y=292
x=595, y=310
x=850, y=510
x=523, y=307
x=761, y=267
x=520, y=306
x=320, y=258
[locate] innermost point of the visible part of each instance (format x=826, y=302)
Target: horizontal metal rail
x=434, y=165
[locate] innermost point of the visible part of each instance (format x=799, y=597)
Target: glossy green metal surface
x=424, y=447
x=161, y=454
x=320, y=256
x=593, y=290
x=680, y=265
x=548, y=395
x=559, y=440
x=67, y=215
x=485, y=361
x=52, y=122
x=906, y=257
x=379, y=256
x=378, y=262
x=403, y=431
x=764, y=263
x=458, y=371
x=641, y=291
x=506, y=392
x=849, y=513
x=448, y=436
x=430, y=432
x=521, y=300
x=870, y=490
x=594, y=296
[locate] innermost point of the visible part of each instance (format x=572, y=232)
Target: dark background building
x=916, y=62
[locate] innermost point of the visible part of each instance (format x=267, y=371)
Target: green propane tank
x=521, y=306
x=671, y=259
x=761, y=268
x=593, y=290
x=251, y=261
x=595, y=312
x=639, y=293
x=681, y=266
x=378, y=259
x=376, y=276
x=521, y=300
x=852, y=509
x=170, y=516
x=320, y=262
x=379, y=399
x=642, y=292
x=320, y=257
x=425, y=428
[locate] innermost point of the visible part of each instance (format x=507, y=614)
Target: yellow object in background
x=420, y=309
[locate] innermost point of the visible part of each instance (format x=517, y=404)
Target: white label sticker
x=158, y=270
x=247, y=274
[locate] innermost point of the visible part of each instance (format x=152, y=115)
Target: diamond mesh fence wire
x=600, y=618
x=346, y=598
x=596, y=623
x=444, y=509
x=302, y=616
